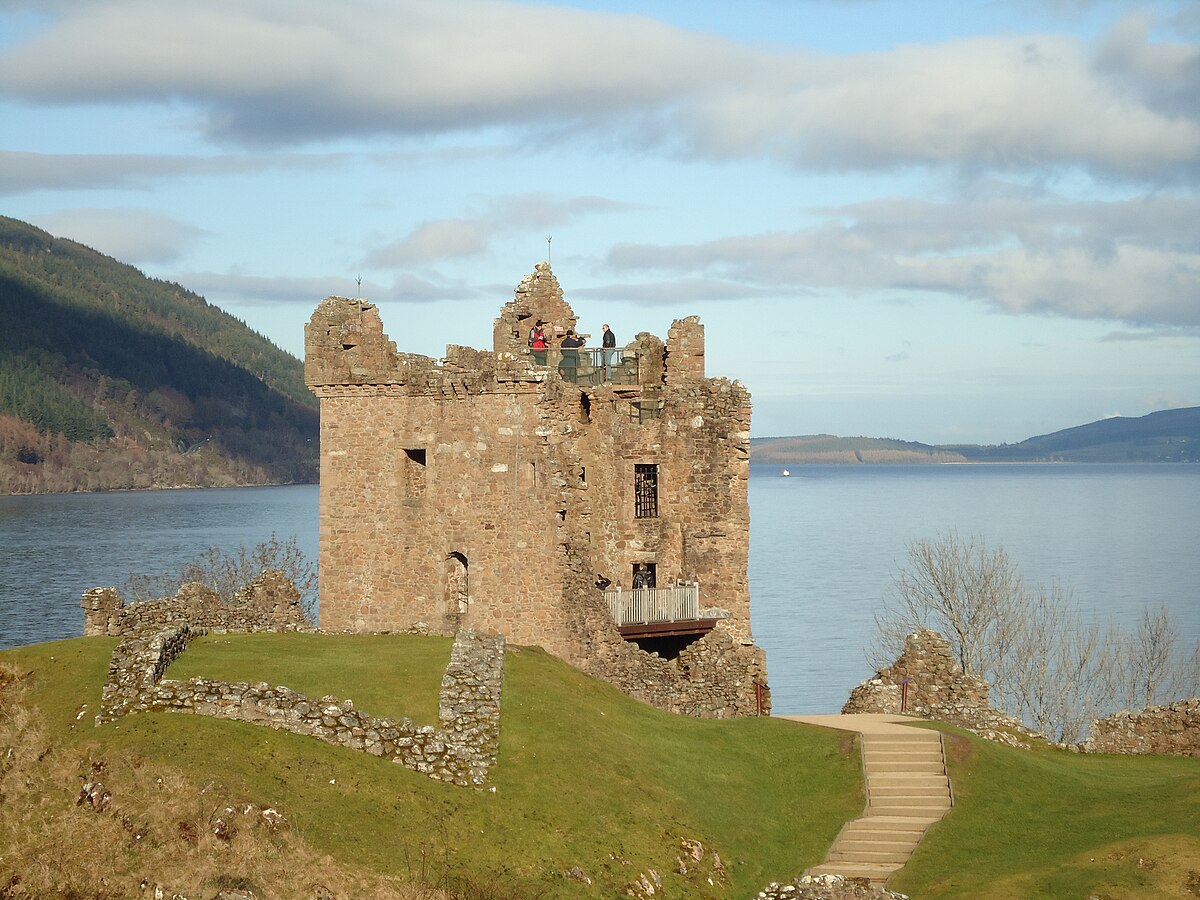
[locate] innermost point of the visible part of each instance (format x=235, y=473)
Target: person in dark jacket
x=609, y=353
x=570, y=345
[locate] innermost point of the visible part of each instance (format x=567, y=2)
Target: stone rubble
x=828, y=887
x=1172, y=730
x=937, y=688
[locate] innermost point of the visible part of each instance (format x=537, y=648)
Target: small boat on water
x=786, y=473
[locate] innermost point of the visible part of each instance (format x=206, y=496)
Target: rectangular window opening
x=414, y=472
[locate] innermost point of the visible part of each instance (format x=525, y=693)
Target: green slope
x=586, y=777
x=145, y=374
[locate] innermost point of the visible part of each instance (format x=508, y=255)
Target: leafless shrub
x=1045, y=663
x=227, y=572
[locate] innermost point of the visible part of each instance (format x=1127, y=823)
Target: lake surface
x=825, y=544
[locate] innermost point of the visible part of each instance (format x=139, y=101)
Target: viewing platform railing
x=595, y=365
x=646, y=606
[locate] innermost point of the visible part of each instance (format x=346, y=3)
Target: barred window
x=645, y=490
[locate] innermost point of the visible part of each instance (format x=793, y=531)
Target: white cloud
x=136, y=236
x=1136, y=261
x=265, y=290
x=277, y=72
x=469, y=236
x=21, y=172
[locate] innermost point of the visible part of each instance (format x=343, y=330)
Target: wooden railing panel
x=644, y=606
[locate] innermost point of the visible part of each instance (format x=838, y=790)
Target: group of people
x=570, y=343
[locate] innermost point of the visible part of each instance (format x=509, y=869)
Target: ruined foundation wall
x=1172, y=730
x=462, y=750
x=270, y=602
x=936, y=688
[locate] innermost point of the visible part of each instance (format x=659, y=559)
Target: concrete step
x=881, y=835
x=883, y=857
x=931, y=803
x=916, y=767
x=879, y=791
x=909, y=779
x=887, y=754
x=931, y=813
x=874, y=845
x=911, y=737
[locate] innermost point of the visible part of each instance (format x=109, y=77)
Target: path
x=907, y=788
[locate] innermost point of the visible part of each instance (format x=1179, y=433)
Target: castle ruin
x=591, y=502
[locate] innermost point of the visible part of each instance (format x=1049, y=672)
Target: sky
x=936, y=221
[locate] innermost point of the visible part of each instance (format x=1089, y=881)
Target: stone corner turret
x=344, y=343
x=538, y=296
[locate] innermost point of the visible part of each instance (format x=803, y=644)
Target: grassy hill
x=1171, y=435
x=109, y=379
x=588, y=781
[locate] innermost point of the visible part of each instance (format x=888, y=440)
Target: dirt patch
x=958, y=748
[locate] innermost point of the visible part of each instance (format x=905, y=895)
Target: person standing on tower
x=537, y=343
x=609, y=344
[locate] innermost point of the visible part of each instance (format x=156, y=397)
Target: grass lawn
x=586, y=776
x=1054, y=824
x=589, y=778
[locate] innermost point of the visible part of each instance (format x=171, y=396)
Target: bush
x=227, y=573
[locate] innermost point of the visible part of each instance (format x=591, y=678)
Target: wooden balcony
x=658, y=612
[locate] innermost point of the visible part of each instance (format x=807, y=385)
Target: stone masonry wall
x=1172, y=730
x=461, y=751
x=487, y=492
x=270, y=602
x=937, y=688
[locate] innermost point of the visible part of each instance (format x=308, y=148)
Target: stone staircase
x=907, y=791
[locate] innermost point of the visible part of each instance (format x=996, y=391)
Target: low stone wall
x=137, y=666
x=937, y=688
x=1172, y=730
x=714, y=678
x=461, y=751
x=270, y=602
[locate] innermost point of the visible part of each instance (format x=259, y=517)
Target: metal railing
x=595, y=365
x=645, y=606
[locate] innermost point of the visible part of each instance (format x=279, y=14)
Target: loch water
x=826, y=542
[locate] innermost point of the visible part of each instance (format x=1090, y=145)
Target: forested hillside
x=111, y=380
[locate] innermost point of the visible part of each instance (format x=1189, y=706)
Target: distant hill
x=828, y=448
x=112, y=380
x=1171, y=435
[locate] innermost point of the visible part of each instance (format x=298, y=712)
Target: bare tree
x=1054, y=674
x=1044, y=662
x=228, y=572
x=1150, y=668
x=969, y=593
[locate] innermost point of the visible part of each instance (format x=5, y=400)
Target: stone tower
x=493, y=492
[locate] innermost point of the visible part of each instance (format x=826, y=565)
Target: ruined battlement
x=495, y=489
